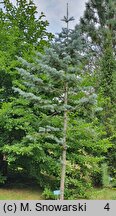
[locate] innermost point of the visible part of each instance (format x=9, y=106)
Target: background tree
x=21, y=34
x=99, y=27
x=99, y=16
x=107, y=90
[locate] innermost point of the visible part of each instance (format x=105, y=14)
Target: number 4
x=107, y=207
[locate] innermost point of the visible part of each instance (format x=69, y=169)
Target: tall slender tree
x=63, y=170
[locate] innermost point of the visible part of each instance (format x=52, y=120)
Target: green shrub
x=48, y=194
x=113, y=183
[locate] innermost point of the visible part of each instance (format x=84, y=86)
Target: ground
x=20, y=194
x=35, y=193
x=20, y=187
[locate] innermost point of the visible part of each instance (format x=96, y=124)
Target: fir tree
x=63, y=77
x=66, y=86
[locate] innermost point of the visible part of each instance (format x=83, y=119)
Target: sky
x=55, y=10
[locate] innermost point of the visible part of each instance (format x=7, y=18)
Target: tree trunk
x=63, y=166
x=3, y=165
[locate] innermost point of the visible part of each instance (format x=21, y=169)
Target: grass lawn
x=20, y=194
x=36, y=194
x=103, y=194
x=20, y=188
